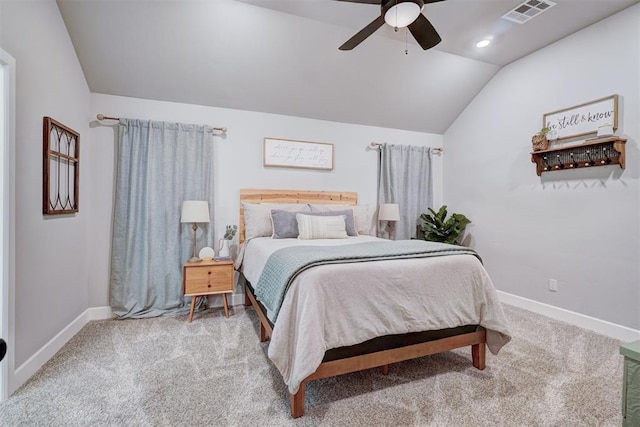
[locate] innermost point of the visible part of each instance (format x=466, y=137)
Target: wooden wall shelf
x=593, y=152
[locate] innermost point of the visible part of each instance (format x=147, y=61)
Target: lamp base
x=194, y=259
x=389, y=230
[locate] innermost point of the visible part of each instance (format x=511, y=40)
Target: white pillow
x=321, y=227
x=257, y=217
x=364, y=216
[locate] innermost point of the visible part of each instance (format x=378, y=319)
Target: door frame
x=7, y=205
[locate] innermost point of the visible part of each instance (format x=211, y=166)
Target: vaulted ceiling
x=281, y=56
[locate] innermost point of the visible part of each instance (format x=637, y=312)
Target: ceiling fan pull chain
x=406, y=41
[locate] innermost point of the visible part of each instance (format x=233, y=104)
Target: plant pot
x=539, y=142
x=223, y=250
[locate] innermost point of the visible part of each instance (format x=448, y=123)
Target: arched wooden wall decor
x=61, y=168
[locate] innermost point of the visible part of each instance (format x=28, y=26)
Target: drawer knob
x=209, y=272
x=209, y=285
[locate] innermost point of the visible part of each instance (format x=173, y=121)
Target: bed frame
x=477, y=340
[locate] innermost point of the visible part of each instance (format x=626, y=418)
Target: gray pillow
x=257, y=216
x=285, y=225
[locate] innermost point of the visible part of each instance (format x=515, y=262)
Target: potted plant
x=230, y=232
x=437, y=227
x=223, y=250
x=539, y=140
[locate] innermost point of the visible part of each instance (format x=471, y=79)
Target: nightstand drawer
x=208, y=279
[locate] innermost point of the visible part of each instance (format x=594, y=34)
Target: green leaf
x=437, y=227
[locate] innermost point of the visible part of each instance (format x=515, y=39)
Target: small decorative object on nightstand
x=389, y=212
x=631, y=384
x=223, y=250
x=208, y=278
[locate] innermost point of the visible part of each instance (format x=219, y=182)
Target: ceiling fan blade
x=424, y=33
x=363, y=34
x=367, y=1
x=431, y=1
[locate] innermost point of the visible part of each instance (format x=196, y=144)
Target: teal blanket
x=284, y=265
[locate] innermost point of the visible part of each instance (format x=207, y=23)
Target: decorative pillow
x=285, y=224
x=349, y=221
x=321, y=227
x=257, y=217
x=364, y=216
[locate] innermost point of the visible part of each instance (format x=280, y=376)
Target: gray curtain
x=158, y=166
x=405, y=178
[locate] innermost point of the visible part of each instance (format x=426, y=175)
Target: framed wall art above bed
x=288, y=153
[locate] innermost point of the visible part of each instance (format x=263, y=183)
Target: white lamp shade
x=389, y=212
x=402, y=14
x=195, y=211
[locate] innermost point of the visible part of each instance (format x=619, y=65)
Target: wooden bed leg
x=478, y=354
x=247, y=301
x=385, y=369
x=296, y=402
x=263, y=333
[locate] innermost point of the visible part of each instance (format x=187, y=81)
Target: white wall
x=580, y=227
x=51, y=258
x=238, y=163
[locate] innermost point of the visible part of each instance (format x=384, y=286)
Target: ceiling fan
x=398, y=14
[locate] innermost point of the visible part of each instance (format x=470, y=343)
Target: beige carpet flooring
x=214, y=372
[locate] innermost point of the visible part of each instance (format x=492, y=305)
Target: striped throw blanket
x=284, y=265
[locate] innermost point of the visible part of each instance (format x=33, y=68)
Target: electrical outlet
x=553, y=285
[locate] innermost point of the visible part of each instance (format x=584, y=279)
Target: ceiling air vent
x=527, y=10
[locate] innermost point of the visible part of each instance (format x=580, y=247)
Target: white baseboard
x=99, y=313
x=215, y=301
x=42, y=356
x=603, y=327
x=237, y=299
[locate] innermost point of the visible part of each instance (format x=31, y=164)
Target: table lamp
x=389, y=212
x=194, y=211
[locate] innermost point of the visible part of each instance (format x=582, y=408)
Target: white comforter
x=339, y=305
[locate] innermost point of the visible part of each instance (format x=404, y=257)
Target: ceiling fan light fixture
x=483, y=43
x=397, y=14
x=403, y=13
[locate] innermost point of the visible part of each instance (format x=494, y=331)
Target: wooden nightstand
x=207, y=278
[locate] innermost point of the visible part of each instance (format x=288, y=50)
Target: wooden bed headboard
x=292, y=196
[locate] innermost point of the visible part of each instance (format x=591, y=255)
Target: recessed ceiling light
x=483, y=43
